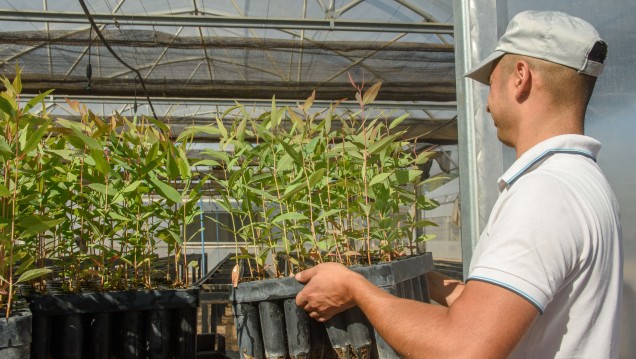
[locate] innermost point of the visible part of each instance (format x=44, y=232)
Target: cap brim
x=481, y=72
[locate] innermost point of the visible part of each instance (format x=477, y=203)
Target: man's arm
x=484, y=321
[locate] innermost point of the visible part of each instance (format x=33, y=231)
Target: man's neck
x=540, y=130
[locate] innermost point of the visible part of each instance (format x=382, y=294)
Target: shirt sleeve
x=531, y=243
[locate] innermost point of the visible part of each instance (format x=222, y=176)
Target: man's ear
x=522, y=79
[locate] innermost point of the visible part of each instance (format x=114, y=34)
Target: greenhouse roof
x=188, y=59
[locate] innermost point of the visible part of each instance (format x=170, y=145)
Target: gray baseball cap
x=552, y=36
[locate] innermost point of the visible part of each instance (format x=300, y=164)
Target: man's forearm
x=412, y=328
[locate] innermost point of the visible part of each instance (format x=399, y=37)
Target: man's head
x=555, y=37
x=541, y=76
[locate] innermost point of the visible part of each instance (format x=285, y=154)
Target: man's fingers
x=320, y=317
x=300, y=300
x=305, y=275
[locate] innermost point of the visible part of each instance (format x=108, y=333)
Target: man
x=546, y=276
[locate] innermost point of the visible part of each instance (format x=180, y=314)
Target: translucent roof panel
x=227, y=49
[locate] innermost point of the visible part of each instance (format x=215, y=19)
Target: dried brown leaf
x=235, y=276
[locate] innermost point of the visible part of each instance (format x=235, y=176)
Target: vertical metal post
x=480, y=152
x=466, y=138
x=204, y=268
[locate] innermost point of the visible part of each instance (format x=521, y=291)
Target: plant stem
x=13, y=212
x=280, y=207
x=185, y=245
x=312, y=226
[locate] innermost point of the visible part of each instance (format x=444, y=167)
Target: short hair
x=565, y=85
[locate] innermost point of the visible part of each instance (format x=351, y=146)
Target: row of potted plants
x=85, y=204
x=306, y=186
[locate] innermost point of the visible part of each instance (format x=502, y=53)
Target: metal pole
x=203, y=261
x=229, y=22
x=466, y=135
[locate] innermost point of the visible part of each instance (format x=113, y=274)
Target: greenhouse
x=172, y=169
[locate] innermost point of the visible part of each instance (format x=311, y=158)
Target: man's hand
x=329, y=290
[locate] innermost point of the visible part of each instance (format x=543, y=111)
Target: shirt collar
x=574, y=144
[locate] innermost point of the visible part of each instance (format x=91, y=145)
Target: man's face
x=499, y=104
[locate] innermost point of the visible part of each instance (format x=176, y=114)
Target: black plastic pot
x=270, y=325
x=15, y=336
x=123, y=324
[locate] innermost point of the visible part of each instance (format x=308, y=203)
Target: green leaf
x=25, y=264
x=131, y=187
x=33, y=274
x=7, y=107
x=118, y=217
x=35, y=137
x=423, y=157
x=328, y=118
x=398, y=121
x=34, y=101
x=211, y=163
x=293, y=189
x=379, y=178
x=261, y=193
x=92, y=143
x=220, y=155
x=176, y=236
x=69, y=124
x=7, y=84
x=426, y=203
x=316, y=177
x=169, y=157
x=294, y=155
x=183, y=164
x=5, y=150
x=382, y=144
x=4, y=191
x=240, y=129
x=285, y=163
x=425, y=237
x=407, y=176
x=100, y=162
x=296, y=120
x=165, y=190
x=290, y=216
x=22, y=138
x=152, y=153
x=196, y=130
x=65, y=154
x=276, y=116
x=424, y=223
x=99, y=187
x=17, y=81
x=221, y=127
x=34, y=224
x=326, y=214
x=311, y=146
x=162, y=126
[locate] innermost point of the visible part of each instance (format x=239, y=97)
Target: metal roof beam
x=229, y=22
x=117, y=100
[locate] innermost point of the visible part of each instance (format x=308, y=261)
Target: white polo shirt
x=554, y=238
